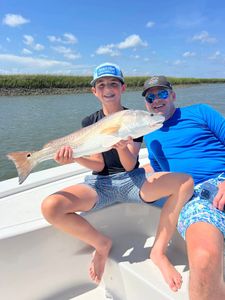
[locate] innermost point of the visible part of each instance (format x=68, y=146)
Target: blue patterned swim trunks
x=199, y=209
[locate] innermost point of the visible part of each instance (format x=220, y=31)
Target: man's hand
x=219, y=200
x=64, y=155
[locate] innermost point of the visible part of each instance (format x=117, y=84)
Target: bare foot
x=170, y=274
x=98, y=262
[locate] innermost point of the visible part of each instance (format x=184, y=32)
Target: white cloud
x=26, y=51
x=67, y=38
x=178, y=62
x=135, y=56
x=31, y=62
x=67, y=52
x=29, y=41
x=14, y=20
x=53, y=38
x=132, y=41
x=204, y=37
x=108, y=50
x=150, y=24
x=189, y=54
x=38, y=47
x=216, y=55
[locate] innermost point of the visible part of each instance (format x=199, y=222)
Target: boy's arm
x=128, y=152
x=148, y=168
x=94, y=162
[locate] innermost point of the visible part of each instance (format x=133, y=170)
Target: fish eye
x=152, y=115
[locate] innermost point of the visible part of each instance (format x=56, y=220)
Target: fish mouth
x=158, y=123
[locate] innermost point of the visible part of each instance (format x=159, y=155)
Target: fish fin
x=23, y=162
x=49, y=144
x=110, y=140
x=110, y=130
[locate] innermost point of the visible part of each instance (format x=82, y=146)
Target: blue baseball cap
x=107, y=70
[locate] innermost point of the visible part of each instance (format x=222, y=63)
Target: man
x=192, y=140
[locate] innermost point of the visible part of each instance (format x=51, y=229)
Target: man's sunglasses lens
x=160, y=95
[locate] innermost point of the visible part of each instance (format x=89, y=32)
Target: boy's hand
x=64, y=155
x=123, y=143
x=219, y=200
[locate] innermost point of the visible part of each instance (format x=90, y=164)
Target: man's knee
x=204, y=258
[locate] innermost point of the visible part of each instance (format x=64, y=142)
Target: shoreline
x=41, y=92
x=12, y=92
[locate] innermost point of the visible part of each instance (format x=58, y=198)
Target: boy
x=116, y=178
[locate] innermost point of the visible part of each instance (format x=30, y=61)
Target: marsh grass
x=43, y=81
x=82, y=82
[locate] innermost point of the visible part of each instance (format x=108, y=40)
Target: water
x=27, y=123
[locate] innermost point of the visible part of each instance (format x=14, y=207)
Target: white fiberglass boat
x=38, y=262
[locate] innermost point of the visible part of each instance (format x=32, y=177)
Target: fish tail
x=24, y=163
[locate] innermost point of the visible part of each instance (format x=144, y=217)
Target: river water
x=28, y=122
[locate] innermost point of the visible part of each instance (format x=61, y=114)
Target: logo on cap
x=106, y=70
x=154, y=80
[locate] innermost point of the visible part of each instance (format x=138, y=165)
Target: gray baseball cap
x=156, y=81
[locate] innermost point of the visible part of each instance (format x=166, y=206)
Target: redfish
x=96, y=138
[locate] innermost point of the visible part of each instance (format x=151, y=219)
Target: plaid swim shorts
x=121, y=187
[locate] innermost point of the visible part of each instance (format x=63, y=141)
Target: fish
x=96, y=138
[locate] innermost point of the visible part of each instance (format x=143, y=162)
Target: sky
x=71, y=37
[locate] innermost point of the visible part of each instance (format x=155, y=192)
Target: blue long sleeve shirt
x=192, y=141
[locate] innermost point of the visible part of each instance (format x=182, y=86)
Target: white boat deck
x=38, y=262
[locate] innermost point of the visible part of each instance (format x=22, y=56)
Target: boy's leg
x=60, y=209
x=179, y=189
x=205, y=245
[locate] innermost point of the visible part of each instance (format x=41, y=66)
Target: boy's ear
x=93, y=90
x=124, y=87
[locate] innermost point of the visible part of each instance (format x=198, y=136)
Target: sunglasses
x=163, y=94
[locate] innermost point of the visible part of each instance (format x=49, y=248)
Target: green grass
x=79, y=82
x=43, y=81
